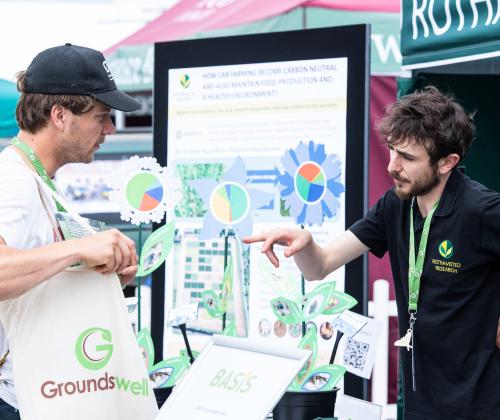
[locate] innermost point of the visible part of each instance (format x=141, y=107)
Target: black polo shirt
x=457, y=363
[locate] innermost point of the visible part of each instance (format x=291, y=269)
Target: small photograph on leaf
x=161, y=376
x=316, y=382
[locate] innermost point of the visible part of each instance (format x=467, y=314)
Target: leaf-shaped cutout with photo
x=339, y=302
x=323, y=378
x=212, y=303
x=227, y=285
x=308, y=342
x=286, y=310
x=230, y=330
x=156, y=249
x=316, y=301
x=146, y=346
x=279, y=280
x=167, y=372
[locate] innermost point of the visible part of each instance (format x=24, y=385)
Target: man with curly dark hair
x=442, y=232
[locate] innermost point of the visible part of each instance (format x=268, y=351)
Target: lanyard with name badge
x=415, y=269
x=33, y=158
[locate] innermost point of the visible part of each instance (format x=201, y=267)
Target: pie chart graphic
x=310, y=182
x=144, y=191
x=229, y=203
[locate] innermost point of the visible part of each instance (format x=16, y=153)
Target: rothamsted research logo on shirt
x=446, y=265
x=446, y=249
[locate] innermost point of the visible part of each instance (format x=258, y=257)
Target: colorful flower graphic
x=310, y=185
x=229, y=202
x=140, y=190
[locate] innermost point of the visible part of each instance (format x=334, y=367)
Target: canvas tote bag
x=73, y=349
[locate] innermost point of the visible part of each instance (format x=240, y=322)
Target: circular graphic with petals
x=139, y=188
x=229, y=203
x=144, y=191
x=310, y=182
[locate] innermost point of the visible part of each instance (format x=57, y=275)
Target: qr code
x=355, y=354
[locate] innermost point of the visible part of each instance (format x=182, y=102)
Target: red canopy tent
x=189, y=17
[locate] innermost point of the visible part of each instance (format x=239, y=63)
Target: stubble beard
x=73, y=154
x=419, y=187
x=71, y=150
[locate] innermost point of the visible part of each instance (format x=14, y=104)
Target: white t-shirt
x=24, y=224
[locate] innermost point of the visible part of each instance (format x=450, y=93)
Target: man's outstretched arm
x=313, y=261
x=106, y=252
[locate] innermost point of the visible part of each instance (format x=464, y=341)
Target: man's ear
x=58, y=116
x=447, y=163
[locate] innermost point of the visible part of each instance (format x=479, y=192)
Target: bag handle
x=58, y=198
x=50, y=214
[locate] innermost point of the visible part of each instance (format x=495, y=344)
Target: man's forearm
x=21, y=270
x=311, y=261
x=316, y=262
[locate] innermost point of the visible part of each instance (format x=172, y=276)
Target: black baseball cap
x=73, y=70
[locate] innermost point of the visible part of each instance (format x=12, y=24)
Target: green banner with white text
x=440, y=32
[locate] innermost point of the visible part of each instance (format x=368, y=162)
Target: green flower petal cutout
x=227, y=285
x=286, y=310
x=323, y=378
x=339, y=302
x=317, y=300
x=166, y=373
x=308, y=342
x=212, y=303
x=156, y=249
x=146, y=346
x=216, y=305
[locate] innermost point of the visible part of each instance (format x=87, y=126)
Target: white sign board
x=350, y=408
x=360, y=349
x=234, y=378
x=182, y=315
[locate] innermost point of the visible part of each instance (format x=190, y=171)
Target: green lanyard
x=30, y=154
x=416, y=266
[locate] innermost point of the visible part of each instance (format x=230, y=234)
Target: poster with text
x=265, y=115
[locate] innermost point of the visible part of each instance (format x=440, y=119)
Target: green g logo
x=93, y=348
x=446, y=249
x=185, y=81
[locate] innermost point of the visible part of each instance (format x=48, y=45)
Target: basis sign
x=234, y=378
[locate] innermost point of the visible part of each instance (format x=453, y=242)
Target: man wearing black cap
x=67, y=94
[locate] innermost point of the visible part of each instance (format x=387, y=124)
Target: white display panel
x=254, y=111
x=233, y=379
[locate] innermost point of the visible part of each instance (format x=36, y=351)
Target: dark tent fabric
x=8, y=100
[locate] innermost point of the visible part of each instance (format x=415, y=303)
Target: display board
x=234, y=378
x=258, y=131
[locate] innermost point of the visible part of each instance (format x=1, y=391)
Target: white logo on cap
x=105, y=65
